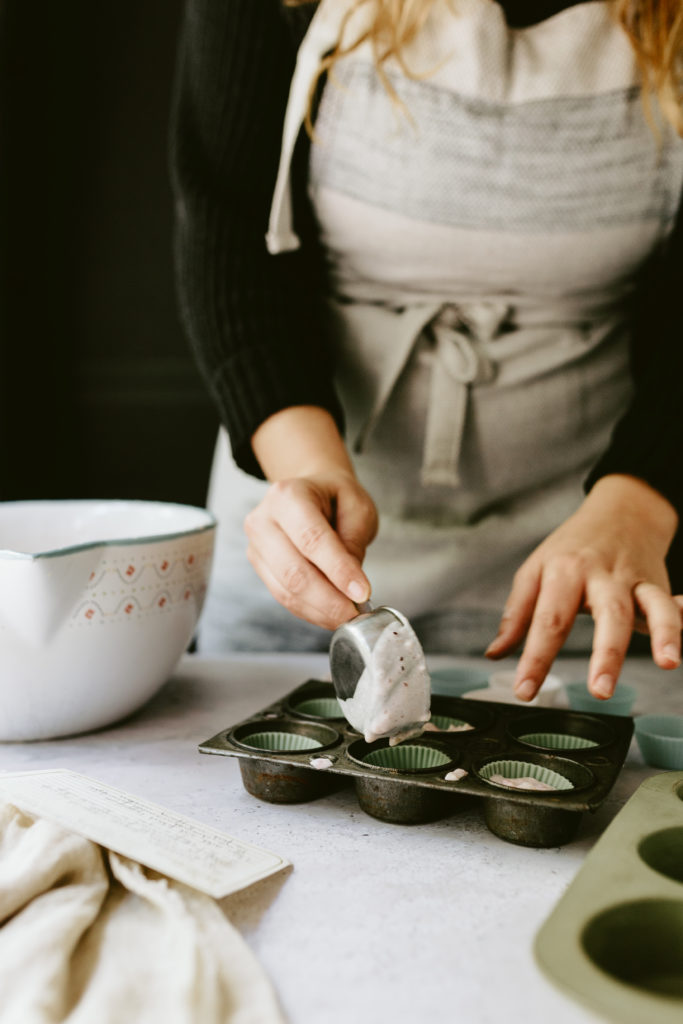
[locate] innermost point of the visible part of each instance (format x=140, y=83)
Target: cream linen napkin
x=90, y=937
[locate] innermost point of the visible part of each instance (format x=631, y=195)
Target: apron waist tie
x=460, y=336
x=461, y=358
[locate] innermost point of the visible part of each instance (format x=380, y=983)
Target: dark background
x=99, y=395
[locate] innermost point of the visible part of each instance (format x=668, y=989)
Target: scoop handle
x=364, y=607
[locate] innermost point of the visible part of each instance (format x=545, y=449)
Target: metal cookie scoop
x=352, y=645
x=380, y=676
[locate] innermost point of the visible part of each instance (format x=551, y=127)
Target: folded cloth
x=87, y=935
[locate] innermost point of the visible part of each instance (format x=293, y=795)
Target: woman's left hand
x=608, y=559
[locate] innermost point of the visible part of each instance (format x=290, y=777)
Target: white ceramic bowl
x=98, y=601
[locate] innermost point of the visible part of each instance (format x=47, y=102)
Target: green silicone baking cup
x=407, y=757
x=443, y=722
x=620, y=703
x=280, y=741
x=660, y=738
x=320, y=707
x=456, y=680
x=557, y=741
x=524, y=770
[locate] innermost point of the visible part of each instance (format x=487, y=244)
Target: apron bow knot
x=461, y=358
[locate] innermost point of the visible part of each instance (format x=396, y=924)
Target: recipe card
x=195, y=854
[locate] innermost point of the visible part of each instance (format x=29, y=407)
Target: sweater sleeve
x=255, y=321
x=648, y=440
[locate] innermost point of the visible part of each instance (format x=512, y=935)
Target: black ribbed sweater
x=256, y=321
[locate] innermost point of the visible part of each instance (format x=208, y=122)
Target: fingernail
x=526, y=689
x=358, y=591
x=671, y=653
x=494, y=643
x=603, y=686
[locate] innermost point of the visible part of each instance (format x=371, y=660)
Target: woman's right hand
x=307, y=541
x=307, y=537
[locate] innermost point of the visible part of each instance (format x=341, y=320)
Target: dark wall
x=98, y=392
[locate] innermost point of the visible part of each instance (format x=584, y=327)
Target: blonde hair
x=654, y=27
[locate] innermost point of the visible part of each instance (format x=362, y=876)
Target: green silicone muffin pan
x=615, y=939
x=301, y=747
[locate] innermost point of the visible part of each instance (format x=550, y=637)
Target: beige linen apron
x=483, y=246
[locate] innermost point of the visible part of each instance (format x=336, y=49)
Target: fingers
x=608, y=557
x=297, y=584
x=313, y=536
x=611, y=604
x=663, y=616
x=305, y=563
x=356, y=522
x=519, y=609
x=559, y=599
x=557, y=602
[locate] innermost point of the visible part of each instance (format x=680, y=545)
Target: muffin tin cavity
x=542, y=826
x=508, y=773
x=319, y=703
x=281, y=735
x=556, y=741
x=580, y=732
x=444, y=723
x=641, y=945
x=401, y=803
x=663, y=852
x=615, y=939
x=475, y=716
x=415, y=781
x=405, y=757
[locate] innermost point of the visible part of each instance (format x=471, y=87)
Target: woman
x=472, y=271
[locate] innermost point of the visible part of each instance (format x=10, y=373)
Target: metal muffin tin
x=615, y=939
x=276, y=746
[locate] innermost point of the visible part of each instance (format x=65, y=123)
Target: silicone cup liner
x=556, y=741
x=579, y=732
x=444, y=723
x=478, y=716
x=524, y=770
x=320, y=702
x=407, y=757
x=281, y=741
x=453, y=682
x=620, y=703
x=409, y=785
x=319, y=707
x=660, y=739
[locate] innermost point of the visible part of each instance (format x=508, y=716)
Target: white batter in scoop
x=393, y=693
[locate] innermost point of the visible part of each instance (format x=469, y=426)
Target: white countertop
x=376, y=922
